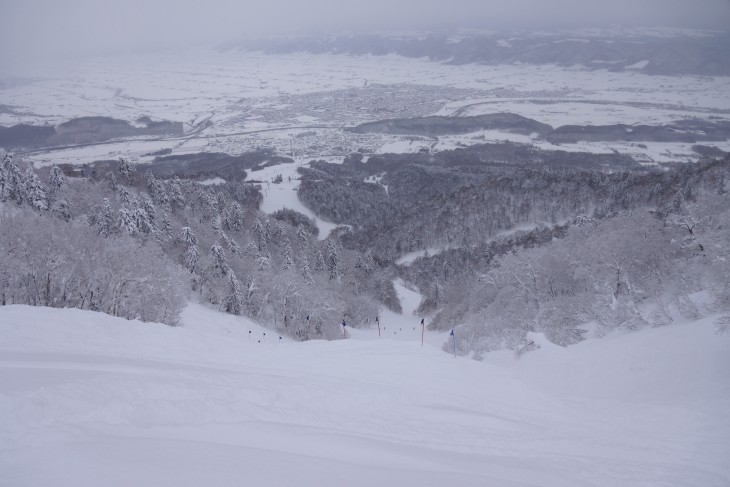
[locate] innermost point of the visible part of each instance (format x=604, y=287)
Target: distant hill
x=656, y=52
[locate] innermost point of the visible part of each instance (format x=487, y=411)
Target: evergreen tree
x=259, y=231
x=35, y=193
x=125, y=196
x=188, y=237
x=235, y=217
x=157, y=190
x=13, y=186
x=231, y=244
x=191, y=258
x=3, y=180
x=219, y=256
x=333, y=260
x=166, y=226
x=126, y=222
x=288, y=260
x=303, y=235
x=365, y=262
x=142, y=221
x=306, y=272
x=263, y=261
x=56, y=180
x=125, y=169
x=175, y=195
x=233, y=300
x=63, y=210
x=105, y=222
x=111, y=179
x=320, y=265
x=149, y=208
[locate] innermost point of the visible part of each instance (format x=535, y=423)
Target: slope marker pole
x=454, y=337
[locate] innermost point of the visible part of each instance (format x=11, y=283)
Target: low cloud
x=38, y=29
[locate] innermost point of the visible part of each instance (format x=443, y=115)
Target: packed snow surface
x=87, y=399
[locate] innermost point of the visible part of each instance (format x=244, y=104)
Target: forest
x=508, y=248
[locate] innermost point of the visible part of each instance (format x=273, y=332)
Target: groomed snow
x=87, y=400
x=278, y=196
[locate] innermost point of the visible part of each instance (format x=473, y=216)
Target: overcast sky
x=33, y=29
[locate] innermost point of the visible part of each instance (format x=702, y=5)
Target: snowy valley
x=482, y=258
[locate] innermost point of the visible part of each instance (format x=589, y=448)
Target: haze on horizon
x=37, y=30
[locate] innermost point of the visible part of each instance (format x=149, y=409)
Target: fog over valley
x=43, y=29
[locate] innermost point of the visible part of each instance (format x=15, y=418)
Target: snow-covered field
x=88, y=399
x=296, y=102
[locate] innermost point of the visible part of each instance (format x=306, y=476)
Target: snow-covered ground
x=285, y=101
x=88, y=399
x=282, y=195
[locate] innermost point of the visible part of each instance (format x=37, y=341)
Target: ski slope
x=87, y=399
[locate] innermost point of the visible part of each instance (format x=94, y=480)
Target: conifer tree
x=166, y=226
x=56, y=180
x=263, y=261
x=125, y=169
x=149, y=208
x=259, y=231
x=219, y=256
x=13, y=189
x=333, y=260
x=3, y=180
x=191, y=258
x=306, y=272
x=126, y=222
x=142, y=221
x=288, y=259
x=233, y=300
x=35, y=193
x=320, y=265
x=105, y=222
x=188, y=237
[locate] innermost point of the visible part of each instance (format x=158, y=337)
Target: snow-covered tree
x=125, y=197
x=56, y=180
x=63, y=210
x=261, y=234
x=125, y=169
x=191, y=258
x=149, y=208
x=333, y=260
x=263, y=261
x=319, y=264
x=219, y=256
x=288, y=259
x=143, y=221
x=12, y=184
x=175, y=195
x=34, y=191
x=233, y=300
x=126, y=222
x=165, y=226
x=187, y=237
x=105, y=220
x=306, y=272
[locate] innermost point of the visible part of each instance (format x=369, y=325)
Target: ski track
x=96, y=399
